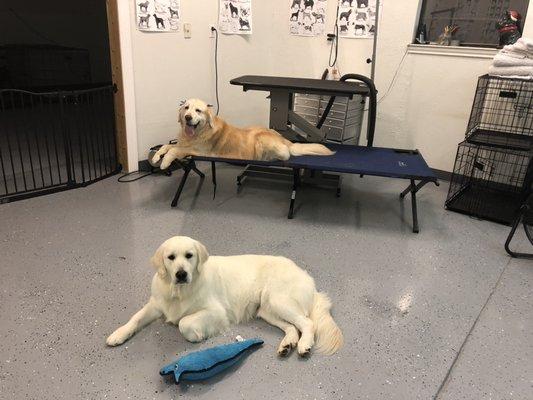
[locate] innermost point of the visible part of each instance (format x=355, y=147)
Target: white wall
x=169, y=68
x=429, y=105
x=427, y=108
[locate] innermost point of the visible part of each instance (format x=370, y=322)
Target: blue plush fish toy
x=204, y=364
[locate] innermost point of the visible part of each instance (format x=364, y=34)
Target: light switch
x=187, y=31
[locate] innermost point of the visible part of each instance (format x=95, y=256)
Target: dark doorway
x=57, y=117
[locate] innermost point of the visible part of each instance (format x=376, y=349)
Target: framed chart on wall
x=158, y=15
x=357, y=18
x=235, y=17
x=307, y=17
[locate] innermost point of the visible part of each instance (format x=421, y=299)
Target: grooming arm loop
x=372, y=108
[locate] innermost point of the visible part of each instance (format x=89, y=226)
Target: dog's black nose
x=188, y=118
x=181, y=276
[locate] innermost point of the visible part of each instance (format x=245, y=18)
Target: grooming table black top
x=300, y=85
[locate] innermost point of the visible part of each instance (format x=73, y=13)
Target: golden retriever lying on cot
x=204, y=134
x=204, y=294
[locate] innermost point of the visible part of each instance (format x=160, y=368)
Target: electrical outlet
x=187, y=31
x=212, y=29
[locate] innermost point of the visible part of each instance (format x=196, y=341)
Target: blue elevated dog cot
x=348, y=159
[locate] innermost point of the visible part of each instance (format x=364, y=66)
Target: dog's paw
x=190, y=332
x=288, y=343
x=304, y=347
x=283, y=351
x=156, y=158
x=166, y=163
x=304, y=353
x=118, y=337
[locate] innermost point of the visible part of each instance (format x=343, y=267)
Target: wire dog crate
x=502, y=113
x=489, y=182
x=55, y=141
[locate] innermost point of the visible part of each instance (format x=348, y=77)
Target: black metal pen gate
x=55, y=141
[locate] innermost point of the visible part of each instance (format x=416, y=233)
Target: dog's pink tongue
x=189, y=130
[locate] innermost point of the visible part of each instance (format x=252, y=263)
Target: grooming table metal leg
x=295, y=182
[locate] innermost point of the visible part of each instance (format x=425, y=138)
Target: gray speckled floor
x=75, y=265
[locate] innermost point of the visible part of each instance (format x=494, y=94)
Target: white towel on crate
x=522, y=72
x=523, y=45
x=516, y=54
x=505, y=59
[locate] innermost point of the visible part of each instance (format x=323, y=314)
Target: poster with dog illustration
x=235, y=17
x=158, y=15
x=357, y=18
x=307, y=17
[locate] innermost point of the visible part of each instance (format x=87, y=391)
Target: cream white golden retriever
x=204, y=294
x=204, y=134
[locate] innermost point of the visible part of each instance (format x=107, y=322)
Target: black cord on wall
x=213, y=29
x=334, y=41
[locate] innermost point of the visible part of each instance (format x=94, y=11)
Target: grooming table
x=283, y=118
x=361, y=160
x=282, y=92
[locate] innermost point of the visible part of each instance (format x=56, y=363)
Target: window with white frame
x=475, y=19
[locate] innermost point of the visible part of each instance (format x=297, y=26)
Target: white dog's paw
x=156, y=158
x=304, y=347
x=166, y=162
x=118, y=337
x=160, y=153
x=288, y=343
x=191, y=334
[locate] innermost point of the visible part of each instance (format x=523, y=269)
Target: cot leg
x=186, y=173
x=404, y=193
x=295, y=181
x=413, y=188
x=413, y=205
x=200, y=173
x=214, y=178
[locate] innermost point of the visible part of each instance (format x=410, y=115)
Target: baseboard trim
x=442, y=175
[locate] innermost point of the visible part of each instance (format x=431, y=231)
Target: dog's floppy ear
x=202, y=254
x=210, y=116
x=158, y=263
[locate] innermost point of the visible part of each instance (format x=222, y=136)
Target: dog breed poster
x=235, y=17
x=357, y=18
x=158, y=15
x=307, y=17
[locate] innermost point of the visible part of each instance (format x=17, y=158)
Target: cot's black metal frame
x=295, y=175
